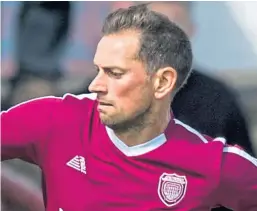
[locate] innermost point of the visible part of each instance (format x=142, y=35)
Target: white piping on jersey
x=190, y=129
x=138, y=149
x=241, y=153
x=28, y=101
x=91, y=96
x=221, y=139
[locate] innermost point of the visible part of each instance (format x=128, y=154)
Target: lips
x=104, y=103
x=102, y=106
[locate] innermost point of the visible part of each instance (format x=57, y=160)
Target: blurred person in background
x=204, y=102
x=41, y=35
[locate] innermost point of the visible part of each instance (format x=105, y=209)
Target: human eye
x=114, y=73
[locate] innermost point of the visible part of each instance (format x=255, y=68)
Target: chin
x=116, y=124
x=106, y=119
x=109, y=121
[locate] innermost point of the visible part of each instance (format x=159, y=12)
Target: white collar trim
x=138, y=149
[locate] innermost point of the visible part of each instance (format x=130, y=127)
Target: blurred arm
x=19, y=193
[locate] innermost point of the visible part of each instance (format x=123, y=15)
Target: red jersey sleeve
x=25, y=127
x=238, y=184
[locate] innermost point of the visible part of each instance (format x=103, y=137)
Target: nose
x=98, y=85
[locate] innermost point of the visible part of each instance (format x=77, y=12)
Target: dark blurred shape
x=58, y=12
x=41, y=35
x=212, y=108
x=42, y=31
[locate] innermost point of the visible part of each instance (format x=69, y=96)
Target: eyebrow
x=112, y=67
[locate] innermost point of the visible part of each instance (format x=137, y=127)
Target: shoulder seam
x=192, y=130
x=241, y=153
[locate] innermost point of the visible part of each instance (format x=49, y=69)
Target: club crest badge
x=172, y=188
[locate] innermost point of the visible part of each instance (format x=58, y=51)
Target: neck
x=148, y=127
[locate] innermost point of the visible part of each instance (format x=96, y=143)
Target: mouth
x=104, y=103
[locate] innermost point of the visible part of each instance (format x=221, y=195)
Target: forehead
x=117, y=49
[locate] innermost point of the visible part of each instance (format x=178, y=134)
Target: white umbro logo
x=78, y=163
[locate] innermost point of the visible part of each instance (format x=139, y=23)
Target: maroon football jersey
x=87, y=167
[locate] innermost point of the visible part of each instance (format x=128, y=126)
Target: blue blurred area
x=219, y=42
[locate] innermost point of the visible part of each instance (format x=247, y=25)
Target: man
x=205, y=103
x=114, y=152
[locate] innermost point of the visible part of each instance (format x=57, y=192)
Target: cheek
x=129, y=95
x=123, y=95
x=127, y=88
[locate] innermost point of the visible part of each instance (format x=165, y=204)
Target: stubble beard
x=135, y=123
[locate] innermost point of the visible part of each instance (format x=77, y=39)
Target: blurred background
x=47, y=48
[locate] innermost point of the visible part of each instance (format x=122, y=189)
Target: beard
x=122, y=123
